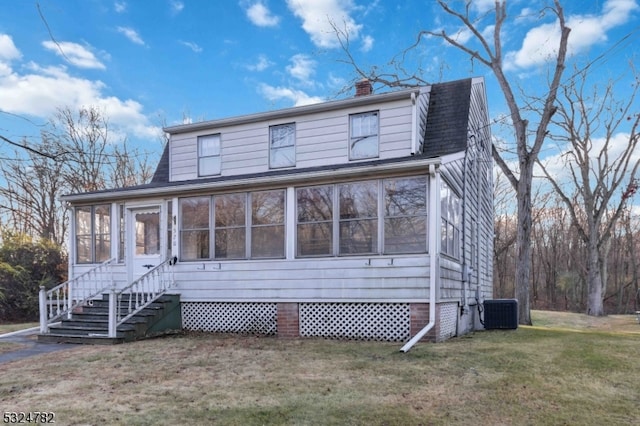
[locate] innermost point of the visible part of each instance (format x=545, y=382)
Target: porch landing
x=91, y=324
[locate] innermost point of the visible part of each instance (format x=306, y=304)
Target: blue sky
x=149, y=63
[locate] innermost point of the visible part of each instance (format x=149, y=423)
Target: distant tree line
x=77, y=152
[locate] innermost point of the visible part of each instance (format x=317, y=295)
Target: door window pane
x=147, y=233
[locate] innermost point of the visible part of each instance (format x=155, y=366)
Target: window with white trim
x=450, y=211
x=93, y=233
x=385, y=216
x=209, y=163
x=241, y=225
x=282, y=145
x=363, y=135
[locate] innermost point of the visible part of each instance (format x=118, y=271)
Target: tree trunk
x=595, y=306
x=523, y=260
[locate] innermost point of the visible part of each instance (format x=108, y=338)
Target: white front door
x=144, y=252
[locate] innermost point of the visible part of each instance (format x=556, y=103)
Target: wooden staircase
x=89, y=324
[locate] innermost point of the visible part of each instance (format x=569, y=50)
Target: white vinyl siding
x=321, y=139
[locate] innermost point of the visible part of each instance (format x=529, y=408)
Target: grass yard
x=548, y=374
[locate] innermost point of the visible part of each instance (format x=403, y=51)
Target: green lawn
x=541, y=375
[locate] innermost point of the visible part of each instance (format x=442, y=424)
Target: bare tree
x=602, y=170
x=488, y=51
x=32, y=192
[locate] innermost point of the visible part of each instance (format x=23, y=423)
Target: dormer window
x=282, y=145
x=363, y=141
x=209, y=155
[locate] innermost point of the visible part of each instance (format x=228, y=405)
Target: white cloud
x=120, y=6
x=540, y=43
x=261, y=16
x=262, y=64
x=176, y=6
x=302, y=67
x=39, y=91
x=298, y=97
x=317, y=18
x=367, y=43
x=75, y=54
x=8, y=50
x=191, y=45
x=131, y=34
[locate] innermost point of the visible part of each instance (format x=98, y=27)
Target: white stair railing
x=64, y=298
x=142, y=292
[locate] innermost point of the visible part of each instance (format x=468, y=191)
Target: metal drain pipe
x=434, y=262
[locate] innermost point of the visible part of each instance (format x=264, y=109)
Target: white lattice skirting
x=224, y=317
x=448, y=320
x=362, y=321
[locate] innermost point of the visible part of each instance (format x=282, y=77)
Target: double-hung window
x=282, y=145
x=209, y=155
x=267, y=224
x=93, y=233
x=450, y=205
x=363, y=132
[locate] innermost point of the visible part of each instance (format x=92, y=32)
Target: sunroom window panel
x=194, y=229
x=358, y=217
x=405, y=209
x=267, y=241
x=405, y=234
x=315, y=221
x=194, y=245
x=230, y=220
x=83, y=249
x=230, y=243
x=315, y=239
x=267, y=220
x=359, y=236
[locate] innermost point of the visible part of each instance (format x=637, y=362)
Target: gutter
x=434, y=262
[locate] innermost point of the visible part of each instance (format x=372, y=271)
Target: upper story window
x=209, y=155
x=363, y=140
x=282, y=145
x=93, y=233
x=450, y=211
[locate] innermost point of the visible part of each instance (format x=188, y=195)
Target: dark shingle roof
x=161, y=174
x=447, y=118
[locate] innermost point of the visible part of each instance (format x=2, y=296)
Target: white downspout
x=434, y=217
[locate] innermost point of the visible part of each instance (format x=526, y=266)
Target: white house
x=364, y=218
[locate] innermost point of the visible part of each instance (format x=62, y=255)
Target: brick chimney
x=363, y=87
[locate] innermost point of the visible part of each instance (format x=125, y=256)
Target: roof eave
x=293, y=111
x=177, y=188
